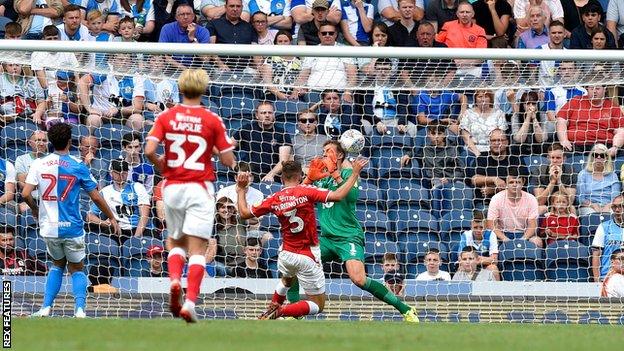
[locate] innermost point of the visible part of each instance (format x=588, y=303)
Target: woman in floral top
x=280, y=72
x=479, y=121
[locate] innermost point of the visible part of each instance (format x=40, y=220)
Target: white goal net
x=492, y=192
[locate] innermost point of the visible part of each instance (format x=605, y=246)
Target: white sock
x=314, y=309
x=281, y=289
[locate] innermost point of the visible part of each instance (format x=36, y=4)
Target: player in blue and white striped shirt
x=60, y=176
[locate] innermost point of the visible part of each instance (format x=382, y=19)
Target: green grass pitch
x=168, y=334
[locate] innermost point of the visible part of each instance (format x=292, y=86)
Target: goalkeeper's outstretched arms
x=344, y=189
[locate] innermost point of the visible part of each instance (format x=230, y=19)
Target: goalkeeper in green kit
x=342, y=238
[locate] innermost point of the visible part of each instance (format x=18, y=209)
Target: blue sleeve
x=421, y=106
x=86, y=179
x=164, y=34
x=94, y=209
x=98, y=78
x=549, y=100
x=203, y=35
x=90, y=5
x=581, y=188
x=616, y=189
x=521, y=44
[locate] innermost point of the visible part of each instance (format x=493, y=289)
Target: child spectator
x=390, y=263
x=21, y=94
x=440, y=162
x=252, y=266
x=613, y=285
x=266, y=36
x=127, y=30
x=357, y=22
x=469, y=269
x=13, y=31
x=155, y=258
x=393, y=279
x=560, y=222
x=95, y=22
x=140, y=171
x=63, y=103
x=484, y=242
x=160, y=92
x=432, y=261
x=557, y=175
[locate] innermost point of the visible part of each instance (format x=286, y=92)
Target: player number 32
x=189, y=162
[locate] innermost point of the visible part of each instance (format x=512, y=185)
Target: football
x=352, y=141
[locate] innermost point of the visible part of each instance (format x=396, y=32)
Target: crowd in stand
x=534, y=165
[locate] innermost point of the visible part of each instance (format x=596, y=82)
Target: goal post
x=446, y=130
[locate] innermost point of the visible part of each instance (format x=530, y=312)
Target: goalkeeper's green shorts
x=336, y=250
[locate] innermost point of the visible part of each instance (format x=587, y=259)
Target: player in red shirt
x=300, y=255
x=190, y=133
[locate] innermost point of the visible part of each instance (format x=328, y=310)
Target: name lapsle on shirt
x=185, y=123
x=289, y=202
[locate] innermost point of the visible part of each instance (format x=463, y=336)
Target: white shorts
x=308, y=272
x=189, y=209
x=71, y=248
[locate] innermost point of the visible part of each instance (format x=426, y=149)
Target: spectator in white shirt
x=432, y=261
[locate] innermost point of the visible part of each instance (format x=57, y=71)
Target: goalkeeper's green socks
x=293, y=292
x=382, y=293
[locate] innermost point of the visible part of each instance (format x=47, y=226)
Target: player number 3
x=189, y=163
x=292, y=218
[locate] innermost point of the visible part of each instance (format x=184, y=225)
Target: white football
x=352, y=141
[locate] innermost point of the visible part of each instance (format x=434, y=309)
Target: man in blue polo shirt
x=608, y=238
x=184, y=30
x=232, y=29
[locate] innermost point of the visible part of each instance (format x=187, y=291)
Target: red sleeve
x=316, y=194
x=262, y=208
x=158, y=129
x=617, y=116
x=222, y=142
x=158, y=192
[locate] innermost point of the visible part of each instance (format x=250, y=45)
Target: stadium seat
x=404, y=192
x=567, y=260
x=588, y=226
x=133, y=255
x=377, y=244
x=534, y=161
x=388, y=161
x=369, y=193
x=27, y=226
x=102, y=252
x=453, y=224
x=371, y=220
x=453, y=196
x=577, y=161
x=237, y=107
x=8, y=217
x=269, y=223
x=392, y=138
x=374, y=270
x=520, y=260
x=110, y=136
x=270, y=253
x=109, y=154
x=410, y=224
x=78, y=131
x=269, y=188
x=14, y=139
x=287, y=110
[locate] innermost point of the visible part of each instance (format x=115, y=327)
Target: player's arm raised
x=344, y=189
x=242, y=182
x=99, y=201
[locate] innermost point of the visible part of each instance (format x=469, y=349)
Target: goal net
x=498, y=169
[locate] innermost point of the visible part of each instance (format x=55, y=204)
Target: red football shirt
x=566, y=227
x=589, y=124
x=294, y=208
x=190, y=133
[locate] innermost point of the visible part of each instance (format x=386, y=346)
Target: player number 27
x=292, y=218
x=70, y=179
x=189, y=162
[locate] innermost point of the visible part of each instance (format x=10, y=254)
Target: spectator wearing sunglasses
x=308, y=143
x=597, y=185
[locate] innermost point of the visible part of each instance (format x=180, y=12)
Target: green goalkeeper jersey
x=338, y=220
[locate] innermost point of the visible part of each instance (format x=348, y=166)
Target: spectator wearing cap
x=252, y=266
x=38, y=143
x=302, y=12
x=34, y=15
x=14, y=261
x=469, y=270
x=580, y=38
x=155, y=257
x=7, y=185
x=184, y=30
x=394, y=281
x=308, y=31
x=433, y=272
x=129, y=202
